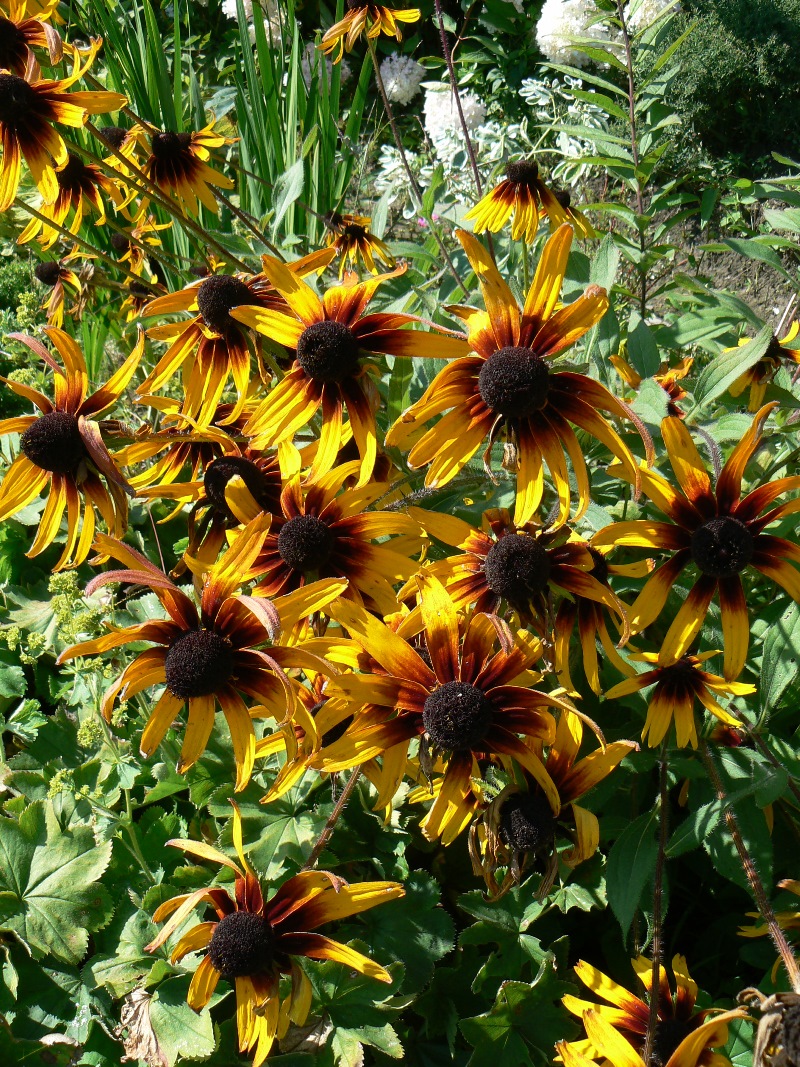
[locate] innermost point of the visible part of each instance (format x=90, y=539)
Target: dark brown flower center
x=333, y=220
x=527, y=823
x=722, y=547
x=140, y=290
x=563, y=196
x=75, y=175
x=48, y=273
x=113, y=136
x=328, y=351
x=790, y=1040
x=120, y=243
x=305, y=543
x=170, y=147
x=514, y=382
x=456, y=716
x=600, y=568
x=219, y=472
x=517, y=567
x=13, y=48
x=18, y=102
x=525, y=172
x=242, y=944
x=669, y=1034
x=54, y=443
x=217, y=296
x=354, y=232
x=199, y=663
x=355, y=5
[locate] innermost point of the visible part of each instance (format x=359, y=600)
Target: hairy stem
x=753, y=878
x=658, y=890
x=333, y=818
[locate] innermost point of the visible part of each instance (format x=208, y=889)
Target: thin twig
x=448, y=58
x=247, y=221
x=753, y=878
x=333, y=818
x=658, y=889
x=409, y=172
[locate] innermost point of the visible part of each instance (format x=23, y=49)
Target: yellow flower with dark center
x=717, y=530
x=62, y=448
x=320, y=531
x=677, y=685
x=211, y=346
x=522, y=567
x=780, y=351
x=331, y=336
x=669, y=378
x=178, y=164
x=349, y=235
x=371, y=19
x=79, y=184
x=29, y=107
x=128, y=246
x=209, y=656
x=471, y=703
x=524, y=194
x=519, y=826
x=56, y=275
x=23, y=27
x=255, y=940
x=508, y=385
x=616, y=1030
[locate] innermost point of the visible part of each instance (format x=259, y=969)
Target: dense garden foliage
x=400, y=636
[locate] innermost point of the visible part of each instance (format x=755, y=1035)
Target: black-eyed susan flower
x=79, y=185
x=29, y=108
x=617, y=1029
x=178, y=164
x=471, y=703
x=717, y=531
x=212, y=346
x=61, y=449
x=23, y=27
x=780, y=352
x=132, y=246
x=211, y=655
x=524, y=194
x=677, y=685
x=331, y=338
x=669, y=378
x=519, y=825
x=350, y=237
x=57, y=276
x=255, y=940
x=371, y=19
x=320, y=531
x=507, y=384
x=524, y=568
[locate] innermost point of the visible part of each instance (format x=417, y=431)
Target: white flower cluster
x=647, y=11
x=269, y=13
x=401, y=78
x=560, y=21
x=442, y=121
x=551, y=105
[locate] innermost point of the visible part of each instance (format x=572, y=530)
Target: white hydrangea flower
x=442, y=121
x=401, y=78
x=648, y=11
x=269, y=12
x=562, y=20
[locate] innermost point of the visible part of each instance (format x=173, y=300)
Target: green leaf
x=605, y=263
x=642, y=347
x=631, y=864
x=181, y=1032
x=723, y=371
x=288, y=188
x=651, y=402
x=781, y=659
x=48, y=894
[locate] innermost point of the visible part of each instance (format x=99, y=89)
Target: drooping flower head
x=369, y=19
x=178, y=164
x=57, y=276
x=331, y=338
x=209, y=655
x=508, y=385
x=468, y=704
x=23, y=27
x=255, y=939
x=79, y=184
x=717, y=531
x=29, y=108
x=349, y=235
x=62, y=449
x=616, y=1030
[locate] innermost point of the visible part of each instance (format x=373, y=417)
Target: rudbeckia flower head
x=79, y=184
x=256, y=939
x=23, y=27
x=372, y=19
x=178, y=164
x=349, y=235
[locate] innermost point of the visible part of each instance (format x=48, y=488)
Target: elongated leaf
x=723, y=371
x=631, y=864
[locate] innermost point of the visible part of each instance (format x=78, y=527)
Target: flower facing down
x=29, y=109
x=360, y=18
x=79, y=184
x=22, y=30
x=349, y=235
x=254, y=941
x=62, y=449
x=509, y=385
x=178, y=164
x=471, y=703
x=210, y=656
x=525, y=195
x=677, y=685
x=616, y=1030
x=715, y=530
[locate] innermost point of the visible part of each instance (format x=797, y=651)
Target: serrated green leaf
x=181, y=1032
